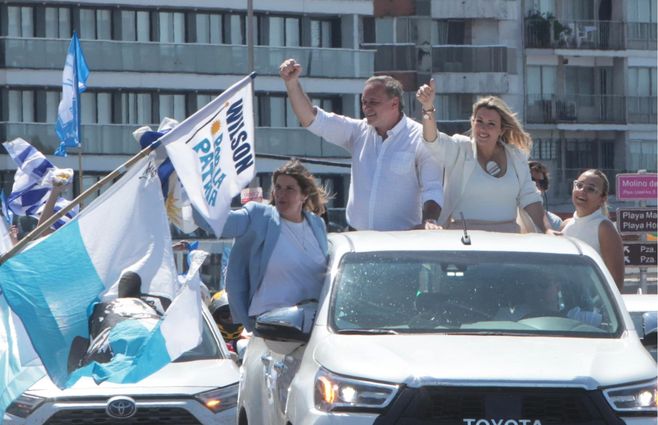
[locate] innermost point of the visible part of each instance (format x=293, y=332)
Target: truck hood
x=418, y=360
x=175, y=378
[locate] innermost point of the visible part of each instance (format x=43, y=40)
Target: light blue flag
x=7, y=213
x=20, y=367
x=53, y=285
x=140, y=350
x=74, y=82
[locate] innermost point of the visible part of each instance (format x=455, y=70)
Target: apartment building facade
x=580, y=73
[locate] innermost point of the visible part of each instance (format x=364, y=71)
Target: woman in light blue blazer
x=279, y=257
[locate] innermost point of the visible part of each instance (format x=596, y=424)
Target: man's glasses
x=589, y=188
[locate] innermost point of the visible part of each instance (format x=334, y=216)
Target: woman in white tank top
x=591, y=224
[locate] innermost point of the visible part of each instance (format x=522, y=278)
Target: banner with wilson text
x=213, y=152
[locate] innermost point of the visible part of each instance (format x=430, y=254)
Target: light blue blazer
x=256, y=228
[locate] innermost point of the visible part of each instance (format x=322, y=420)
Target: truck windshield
x=473, y=292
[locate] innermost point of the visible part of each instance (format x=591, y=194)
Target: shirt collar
x=397, y=127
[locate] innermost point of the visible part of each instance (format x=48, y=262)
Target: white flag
x=213, y=152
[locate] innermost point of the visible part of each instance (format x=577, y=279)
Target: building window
x=454, y=106
x=143, y=29
x=641, y=10
x=20, y=21
x=22, y=106
x=52, y=104
x=58, y=22
x=385, y=30
x=580, y=84
x=128, y=25
x=543, y=6
x=452, y=32
x=103, y=24
x=235, y=29
x=579, y=9
x=541, y=80
x=322, y=33
x=279, y=31
x=642, y=81
x=643, y=155
x=368, y=24
x=136, y=108
x=544, y=149
x=171, y=27
x=209, y=28
x=172, y=106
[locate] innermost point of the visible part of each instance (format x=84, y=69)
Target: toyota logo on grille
x=121, y=407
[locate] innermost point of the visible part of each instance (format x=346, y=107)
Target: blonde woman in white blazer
x=487, y=179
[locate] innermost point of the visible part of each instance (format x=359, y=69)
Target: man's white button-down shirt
x=391, y=178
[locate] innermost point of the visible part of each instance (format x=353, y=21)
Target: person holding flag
x=74, y=82
x=34, y=181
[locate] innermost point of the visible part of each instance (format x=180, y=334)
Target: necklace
x=298, y=236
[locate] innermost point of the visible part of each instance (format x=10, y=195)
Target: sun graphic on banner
x=216, y=126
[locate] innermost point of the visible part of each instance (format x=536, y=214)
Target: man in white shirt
x=394, y=183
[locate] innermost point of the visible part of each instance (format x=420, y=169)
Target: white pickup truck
x=440, y=327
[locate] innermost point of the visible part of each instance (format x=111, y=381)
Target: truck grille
x=466, y=405
x=143, y=416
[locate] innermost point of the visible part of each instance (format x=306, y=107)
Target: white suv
x=438, y=327
x=199, y=388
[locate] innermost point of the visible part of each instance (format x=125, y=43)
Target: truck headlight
x=633, y=398
x=339, y=393
x=24, y=405
x=219, y=399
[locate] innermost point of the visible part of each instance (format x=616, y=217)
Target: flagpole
x=56, y=216
x=79, y=108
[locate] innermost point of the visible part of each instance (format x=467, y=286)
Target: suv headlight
x=24, y=405
x=633, y=398
x=220, y=398
x=338, y=393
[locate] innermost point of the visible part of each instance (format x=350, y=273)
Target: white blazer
x=458, y=156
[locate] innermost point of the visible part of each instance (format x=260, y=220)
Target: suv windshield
x=207, y=349
x=472, y=292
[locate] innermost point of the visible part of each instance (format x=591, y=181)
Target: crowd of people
x=482, y=180
x=479, y=180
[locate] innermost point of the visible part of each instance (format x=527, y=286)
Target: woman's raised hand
x=426, y=94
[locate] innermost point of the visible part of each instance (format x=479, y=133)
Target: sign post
x=642, y=187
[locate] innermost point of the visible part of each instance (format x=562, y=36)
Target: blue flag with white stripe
x=74, y=82
x=55, y=284
x=33, y=182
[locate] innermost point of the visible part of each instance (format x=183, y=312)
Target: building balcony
x=474, y=9
x=212, y=59
x=445, y=58
x=478, y=83
x=641, y=109
x=393, y=56
x=543, y=33
x=641, y=36
x=582, y=109
x=116, y=139
x=448, y=58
